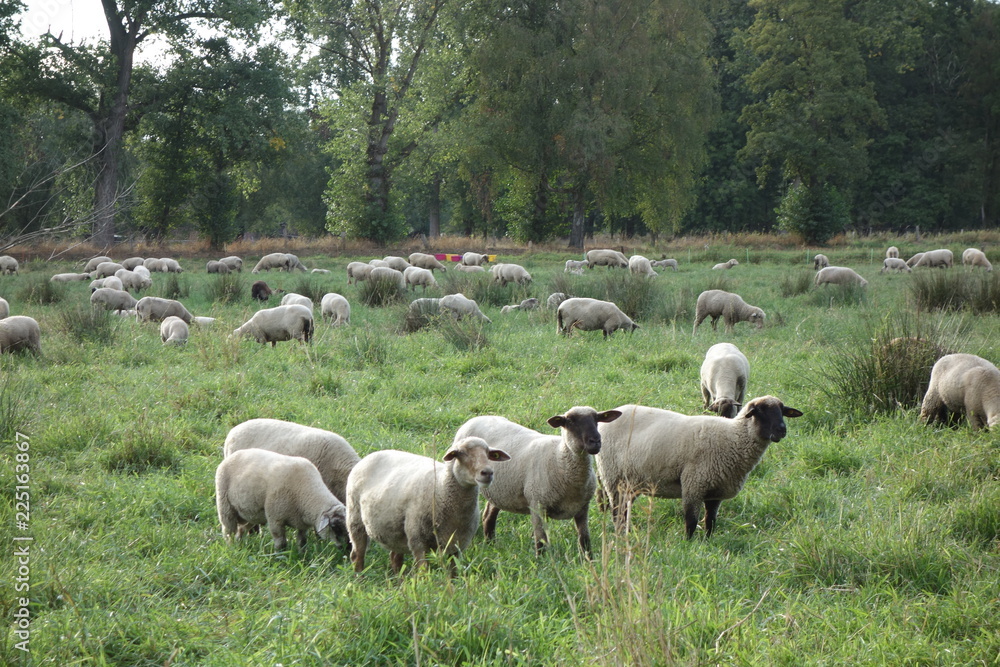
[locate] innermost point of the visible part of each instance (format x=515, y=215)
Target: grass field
x=864, y=537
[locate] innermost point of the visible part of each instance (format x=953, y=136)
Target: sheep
x=420, y=312
x=105, y=269
x=895, y=264
x=555, y=299
x=606, y=257
x=111, y=282
x=256, y=486
x=261, y=292
x=295, y=263
x=911, y=262
x=526, y=304
x=474, y=259
x=141, y=271
x=93, y=262
x=892, y=252
x=335, y=308
x=172, y=265
x=272, y=325
x=575, y=265
x=724, y=376
x=155, y=309
x=548, y=476
x=215, y=266
x=839, y=275
x=322, y=272
x=385, y=273
x=397, y=263
x=113, y=299
x=510, y=273
x=274, y=260
x=155, y=265
x=942, y=258
x=132, y=262
x=461, y=306
x=963, y=383
x=975, y=257
x=69, y=277
x=640, y=266
x=173, y=330
x=700, y=459
x=414, y=276
x=820, y=261
x=4, y=308
x=407, y=502
x=292, y=298
x=203, y=321
x=716, y=303
x=132, y=281
x=725, y=265
x=358, y=272
x=664, y=263
x=233, y=262
x=20, y=333
x=591, y=315
x=465, y=268
x=376, y=263
x=8, y=265
x=425, y=261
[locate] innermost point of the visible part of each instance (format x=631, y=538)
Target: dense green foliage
x=862, y=537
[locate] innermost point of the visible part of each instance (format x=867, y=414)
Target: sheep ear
x=498, y=455
x=557, y=422
x=790, y=412
x=322, y=523
x=608, y=415
x=451, y=454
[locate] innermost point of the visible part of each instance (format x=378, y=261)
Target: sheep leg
x=711, y=511
x=583, y=530
x=278, y=533
x=360, y=541
x=490, y=520
x=396, y=560
x=691, y=507
x=538, y=523
x=301, y=535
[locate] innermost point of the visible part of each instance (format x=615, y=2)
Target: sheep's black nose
x=487, y=475
x=592, y=445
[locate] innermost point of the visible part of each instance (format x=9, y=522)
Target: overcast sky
x=78, y=20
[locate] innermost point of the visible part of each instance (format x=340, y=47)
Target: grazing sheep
x=155, y=265
x=4, y=308
x=172, y=265
x=335, y=308
x=466, y=268
x=724, y=376
x=726, y=265
x=233, y=262
x=963, y=384
x=474, y=259
x=292, y=298
x=407, y=502
x=526, y=304
x=975, y=257
x=640, y=266
x=106, y=269
x=8, y=265
x=113, y=299
x=425, y=261
x=261, y=292
x=272, y=325
x=20, y=333
x=215, y=266
x=716, y=303
x=388, y=274
x=376, y=263
x=203, y=321
x=664, y=263
x=141, y=271
x=892, y=252
x=414, y=276
x=132, y=281
x=93, y=262
x=322, y=272
x=69, y=277
x=591, y=315
x=548, y=476
x=606, y=257
x=461, y=306
x=174, y=330
x=132, y=262
x=575, y=265
x=155, y=309
x=700, y=459
x=911, y=262
x=397, y=263
x=331, y=454
x=839, y=275
x=942, y=258
x=255, y=487
x=420, y=312
x=281, y=261
x=111, y=282
x=895, y=264
x=358, y=272
x=510, y=273
x=820, y=261
x=555, y=299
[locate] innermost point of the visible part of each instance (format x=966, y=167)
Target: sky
x=77, y=20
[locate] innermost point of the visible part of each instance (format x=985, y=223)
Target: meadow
x=863, y=537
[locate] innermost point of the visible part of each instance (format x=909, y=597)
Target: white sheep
x=376, y=263
x=131, y=280
x=942, y=258
x=576, y=266
x=664, y=263
x=113, y=299
x=526, y=304
x=963, y=384
x=332, y=455
x=420, y=312
x=141, y=270
x=467, y=268
x=174, y=330
x=461, y=306
x=233, y=262
x=255, y=487
x=975, y=257
x=606, y=257
x=155, y=265
x=388, y=274
x=69, y=277
x=291, y=298
x=591, y=315
x=394, y=262
x=839, y=275
x=4, y=308
x=203, y=321
x=895, y=264
x=548, y=476
x=820, y=261
x=215, y=266
x=281, y=323
x=730, y=307
x=641, y=266
x=280, y=261
x=322, y=272
x=911, y=262
x=474, y=259
x=111, y=282
x=105, y=269
x=724, y=376
x=555, y=299
x=425, y=261
x=358, y=272
x=335, y=308
x=415, y=276
x=156, y=309
x=510, y=273
x=700, y=459
x=892, y=252
x=725, y=265
x=93, y=262
x=172, y=265
x=407, y=502
x=20, y=332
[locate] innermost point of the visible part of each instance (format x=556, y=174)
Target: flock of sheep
x=282, y=474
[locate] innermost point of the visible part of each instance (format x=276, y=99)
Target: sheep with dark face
x=261, y=292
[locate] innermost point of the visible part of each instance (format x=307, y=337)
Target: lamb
x=261, y=292
x=724, y=376
x=322, y=272
x=730, y=307
x=292, y=298
x=358, y=272
x=726, y=265
x=425, y=261
x=591, y=315
x=665, y=263
x=606, y=257
x=174, y=330
x=233, y=262
x=700, y=459
x=113, y=299
x=414, y=276
x=397, y=263
x=548, y=476
x=335, y=308
x=555, y=299
x=839, y=275
x=407, y=502
x=256, y=486
x=942, y=258
x=272, y=325
x=69, y=277
x=575, y=265
x=156, y=309
x=820, y=261
x=510, y=273
x=892, y=252
x=4, y=308
x=105, y=269
x=132, y=280
x=461, y=306
x=172, y=265
x=215, y=266
x=911, y=262
x=389, y=275
x=975, y=257
x=895, y=264
x=963, y=383
x=155, y=265
x=474, y=259
x=641, y=266
x=93, y=262
x=332, y=455
x=465, y=268
x=132, y=262
x=20, y=333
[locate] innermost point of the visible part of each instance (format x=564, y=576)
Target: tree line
x=537, y=119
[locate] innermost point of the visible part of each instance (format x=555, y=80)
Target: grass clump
x=14, y=405
x=227, y=288
x=844, y=295
x=140, y=451
x=174, y=288
x=40, y=291
x=795, y=284
x=310, y=288
x=956, y=290
x=380, y=292
x=464, y=335
x=85, y=323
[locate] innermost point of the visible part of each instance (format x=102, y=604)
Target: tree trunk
x=434, y=212
x=579, y=213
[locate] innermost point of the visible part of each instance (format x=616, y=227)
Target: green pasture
x=864, y=537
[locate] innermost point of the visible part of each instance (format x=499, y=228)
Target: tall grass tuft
x=844, y=295
x=635, y=295
x=14, y=405
x=956, y=290
x=310, y=288
x=85, y=323
x=174, y=288
x=372, y=348
x=795, y=284
x=380, y=292
x=228, y=288
x=141, y=449
x=464, y=335
x=41, y=291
